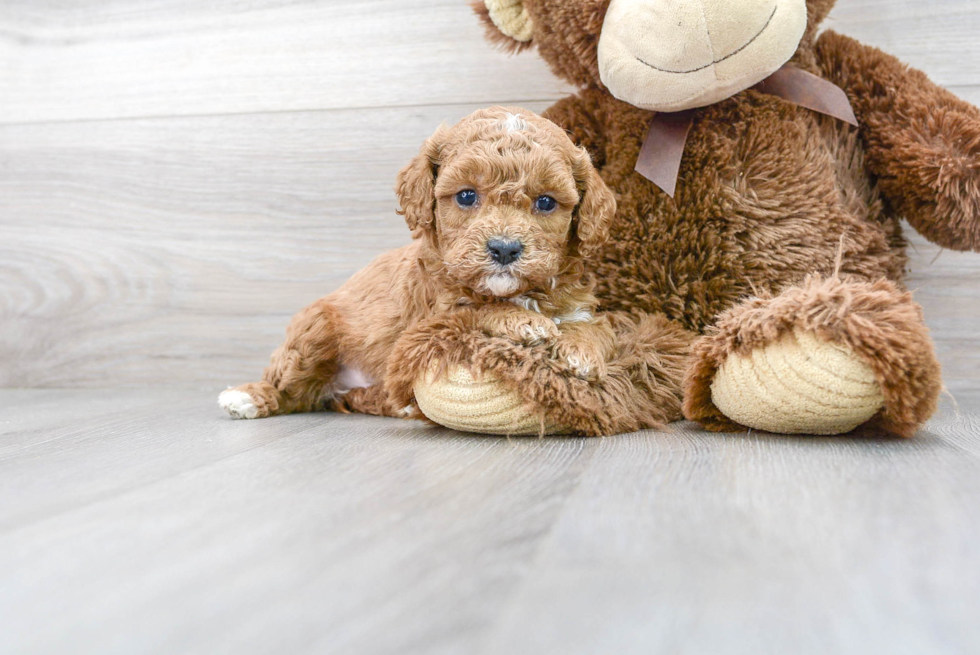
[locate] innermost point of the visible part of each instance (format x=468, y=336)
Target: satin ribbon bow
x=660, y=157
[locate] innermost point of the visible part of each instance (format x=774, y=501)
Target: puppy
x=503, y=208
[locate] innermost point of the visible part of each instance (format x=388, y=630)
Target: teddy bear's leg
x=822, y=358
x=466, y=379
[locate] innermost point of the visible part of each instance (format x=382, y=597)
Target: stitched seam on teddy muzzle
x=729, y=56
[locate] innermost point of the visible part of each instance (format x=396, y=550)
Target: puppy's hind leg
x=374, y=400
x=300, y=369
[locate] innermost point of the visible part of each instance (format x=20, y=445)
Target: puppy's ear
x=595, y=210
x=416, y=186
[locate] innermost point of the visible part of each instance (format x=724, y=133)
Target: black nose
x=504, y=251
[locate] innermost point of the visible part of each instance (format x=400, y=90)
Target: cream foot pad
x=799, y=384
x=460, y=402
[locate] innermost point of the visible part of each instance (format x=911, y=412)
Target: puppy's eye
x=466, y=198
x=545, y=204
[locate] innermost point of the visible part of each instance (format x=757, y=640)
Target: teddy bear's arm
x=580, y=116
x=922, y=142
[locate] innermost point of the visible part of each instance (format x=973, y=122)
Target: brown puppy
x=503, y=208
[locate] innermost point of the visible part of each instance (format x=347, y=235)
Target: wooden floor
x=147, y=522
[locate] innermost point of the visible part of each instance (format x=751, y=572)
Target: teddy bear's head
x=662, y=55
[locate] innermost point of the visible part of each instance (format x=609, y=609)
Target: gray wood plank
x=947, y=285
x=29, y=417
x=110, y=59
x=305, y=540
x=70, y=456
x=354, y=534
x=143, y=251
x=152, y=58
x=697, y=543
x=937, y=37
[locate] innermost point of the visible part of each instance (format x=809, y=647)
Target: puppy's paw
x=533, y=335
x=238, y=404
x=583, y=361
x=522, y=326
x=534, y=330
x=410, y=411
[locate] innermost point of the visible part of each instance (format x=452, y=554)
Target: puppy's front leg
x=585, y=347
x=517, y=324
x=299, y=370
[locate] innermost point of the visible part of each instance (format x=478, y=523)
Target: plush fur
x=510, y=158
x=769, y=195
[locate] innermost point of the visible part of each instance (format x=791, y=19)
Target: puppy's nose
x=504, y=251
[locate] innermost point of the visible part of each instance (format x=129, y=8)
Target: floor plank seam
x=276, y=112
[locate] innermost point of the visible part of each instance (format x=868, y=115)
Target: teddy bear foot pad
x=456, y=400
x=798, y=384
x=827, y=357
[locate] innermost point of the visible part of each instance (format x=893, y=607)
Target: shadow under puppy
x=503, y=208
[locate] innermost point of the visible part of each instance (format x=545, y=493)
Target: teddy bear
x=755, y=263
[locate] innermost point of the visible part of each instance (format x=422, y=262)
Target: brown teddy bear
x=776, y=245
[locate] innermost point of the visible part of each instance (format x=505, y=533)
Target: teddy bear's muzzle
x=671, y=56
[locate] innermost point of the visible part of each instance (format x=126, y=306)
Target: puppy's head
x=505, y=201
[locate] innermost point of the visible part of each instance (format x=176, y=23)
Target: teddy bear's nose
x=504, y=251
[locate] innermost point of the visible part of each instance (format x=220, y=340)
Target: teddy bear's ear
x=507, y=23
x=816, y=11
x=416, y=186
x=595, y=210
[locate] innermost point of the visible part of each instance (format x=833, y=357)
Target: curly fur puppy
x=503, y=208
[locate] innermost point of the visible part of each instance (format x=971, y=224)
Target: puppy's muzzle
x=504, y=251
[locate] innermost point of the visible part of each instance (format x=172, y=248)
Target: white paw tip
x=530, y=334
x=238, y=404
x=579, y=366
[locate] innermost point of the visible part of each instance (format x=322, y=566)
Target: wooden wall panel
x=158, y=250
x=177, y=177
x=947, y=285
x=153, y=58
x=115, y=58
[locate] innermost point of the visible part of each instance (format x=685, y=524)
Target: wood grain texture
x=806, y=545
x=111, y=59
x=175, y=250
x=947, y=285
x=937, y=37
x=194, y=533
x=172, y=529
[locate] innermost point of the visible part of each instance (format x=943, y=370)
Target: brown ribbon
x=660, y=157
